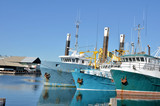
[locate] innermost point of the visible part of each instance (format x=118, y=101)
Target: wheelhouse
x=75, y=60
x=140, y=61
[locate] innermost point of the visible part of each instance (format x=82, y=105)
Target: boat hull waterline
x=60, y=73
x=136, y=83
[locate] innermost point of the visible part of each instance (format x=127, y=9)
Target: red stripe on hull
x=141, y=95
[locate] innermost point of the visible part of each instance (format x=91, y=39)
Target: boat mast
x=139, y=41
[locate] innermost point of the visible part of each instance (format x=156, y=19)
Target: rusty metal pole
x=149, y=50
x=121, y=46
x=105, y=43
x=67, y=44
x=122, y=37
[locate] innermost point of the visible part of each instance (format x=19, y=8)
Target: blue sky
x=38, y=28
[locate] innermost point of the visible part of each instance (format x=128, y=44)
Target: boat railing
x=152, y=67
x=108, y=66
x=97, y=73
x=146, y=66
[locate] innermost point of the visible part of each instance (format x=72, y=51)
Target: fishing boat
x=139, y=73
x=95, y=79
x=59, y=73
x=98, y=79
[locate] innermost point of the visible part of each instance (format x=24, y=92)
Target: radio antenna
x=97, y=31
x=77, y=29
x=139, y=37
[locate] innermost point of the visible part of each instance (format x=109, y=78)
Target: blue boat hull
x=60, y=73
x=93, y=82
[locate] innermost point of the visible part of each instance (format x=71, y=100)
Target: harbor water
x=25, y=90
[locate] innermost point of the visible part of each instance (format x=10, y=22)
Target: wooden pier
x=2, y=101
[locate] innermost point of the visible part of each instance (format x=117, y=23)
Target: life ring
x=80, y=81
x=124, y=80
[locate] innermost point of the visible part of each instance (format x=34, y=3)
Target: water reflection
x=20, y=90
x=56, y=96
x=29, y=91
x=69, y=96
x=82, y=98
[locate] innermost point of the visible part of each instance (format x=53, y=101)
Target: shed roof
x=13, y=59
x=29, y=59
x=16, y=60
x=3, y=62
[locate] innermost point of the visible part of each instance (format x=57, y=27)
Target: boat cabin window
x=130, y=59
x=82, y=61
x=67, y=60
x=142, y=59
x=73, y=60
x=133, y=59
x=137, y=58
x=77, y=60
x=126, y=59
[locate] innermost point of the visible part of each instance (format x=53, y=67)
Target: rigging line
x=134, y=21
x=77, y=30
x=131, y=41
x=154, y=52
x=143, y=16
x=146, y=22
x=118, y=38
x=97, y=30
